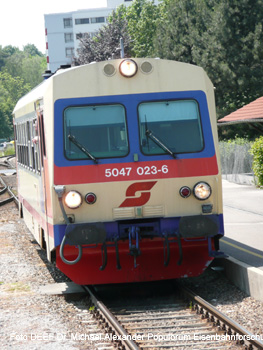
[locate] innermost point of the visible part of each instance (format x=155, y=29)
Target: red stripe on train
x=174, y=168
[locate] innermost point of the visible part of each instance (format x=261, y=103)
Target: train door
x=43, y=165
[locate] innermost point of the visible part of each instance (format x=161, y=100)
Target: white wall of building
x=55, y=40
x=115, y=3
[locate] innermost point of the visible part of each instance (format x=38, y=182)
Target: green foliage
x=233, y=54
x=142, y=18
x=32, y=70
x=20, y=71
x=32, y=50
x=257, y=152
x=10, y=151
x=238, y=141
x=11, y=89
x=180, y=28
x=29, y=68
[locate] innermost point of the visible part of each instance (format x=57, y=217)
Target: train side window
x=36, y=146
x=17, y=143
x=42, y=134
x=22, y=143
x=26, y=149
x=176, y=124
x=101, y=129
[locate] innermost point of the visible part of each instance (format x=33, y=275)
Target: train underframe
x=135, y=255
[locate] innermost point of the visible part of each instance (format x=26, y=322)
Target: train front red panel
x=150, y=264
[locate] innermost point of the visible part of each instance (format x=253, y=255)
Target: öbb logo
x=144, y=197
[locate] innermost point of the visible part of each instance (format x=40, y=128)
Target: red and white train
x=118, y=170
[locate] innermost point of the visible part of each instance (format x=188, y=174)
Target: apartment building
x=63, y=31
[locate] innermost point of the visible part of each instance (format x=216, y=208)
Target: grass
x=10, y=151
x=17, y=287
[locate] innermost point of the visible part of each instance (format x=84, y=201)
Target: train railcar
x=118, y=170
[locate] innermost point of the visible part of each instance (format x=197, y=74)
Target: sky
x=22, y=21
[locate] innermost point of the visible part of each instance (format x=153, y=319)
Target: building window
x=69, y=51
x=68, y=37
x=67, y=22
x=82, y=21
x=79, y=36
x=97, y=20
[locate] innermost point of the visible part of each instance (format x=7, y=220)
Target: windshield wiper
x=158, y=142
x=82, y=148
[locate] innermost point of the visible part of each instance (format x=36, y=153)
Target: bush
x=257, y=152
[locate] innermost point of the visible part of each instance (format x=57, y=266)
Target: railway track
x=7, y=177
x=168, y=321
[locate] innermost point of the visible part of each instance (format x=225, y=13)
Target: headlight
x=73, y=199
x=128, y=68
x=202, y=190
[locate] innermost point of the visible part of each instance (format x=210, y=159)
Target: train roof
x=88, y=80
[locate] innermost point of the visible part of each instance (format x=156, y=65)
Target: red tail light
x=185, y=191
x=90, y=198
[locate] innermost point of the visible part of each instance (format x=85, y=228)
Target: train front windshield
x=170, y=125
x=95, y=131
x=100, y=131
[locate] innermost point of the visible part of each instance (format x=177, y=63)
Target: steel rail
x=125, y=337
x=6, y=162
x=234, y=326
x=11, y=194
x=4, y=189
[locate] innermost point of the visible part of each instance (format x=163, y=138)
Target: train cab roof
x=106, y=78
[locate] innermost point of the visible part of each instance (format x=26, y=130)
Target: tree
x=180, y=28
x=32, y=50
x=5, y=120
x=234, y=54
x=20, y=71
x=142, y=17
x=32, y=69
x=106, y=43
x=6, y=52
x=11, y=89
x=29, y=67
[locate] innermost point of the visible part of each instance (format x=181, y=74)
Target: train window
x=170, y=125
x=100, y=129
x=27, y=150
